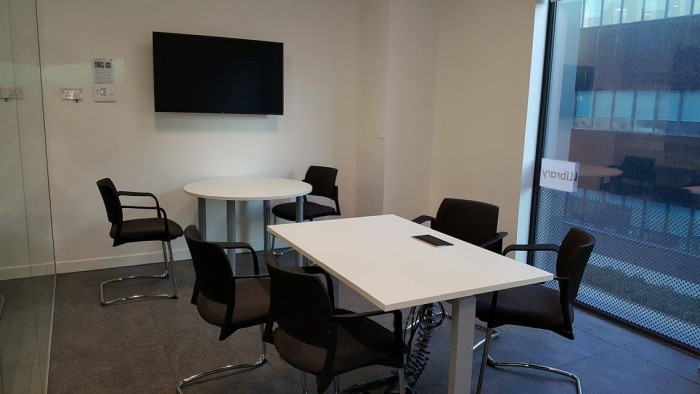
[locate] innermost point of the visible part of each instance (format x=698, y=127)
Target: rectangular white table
x=377, y=257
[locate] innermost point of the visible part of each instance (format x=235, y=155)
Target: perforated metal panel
x=645, y=268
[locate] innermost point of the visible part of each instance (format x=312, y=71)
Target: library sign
x=559, y=175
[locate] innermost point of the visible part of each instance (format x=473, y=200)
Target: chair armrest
x=493, y=240
x=531, y=248
x=358, y=315
x=157, y=208
x=398, y=320
x=140, y=194
x=424, y=218
x=242, y=245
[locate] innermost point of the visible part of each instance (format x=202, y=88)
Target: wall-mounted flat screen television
x=204, y=74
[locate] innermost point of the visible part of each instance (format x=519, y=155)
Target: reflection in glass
x=667, y=111
x=632, y=11
x=678, y=7
x=612, y=11
x=691, y=106
x=603, y=109
x=584, y=100
x=591, y=13
x=644, y=111
x=643, y=215
x=654, y=9
x=624, y=99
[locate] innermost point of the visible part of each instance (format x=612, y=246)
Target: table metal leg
x=463, y=311
x=300, y=218
x=231, y=231
x=266, y=222
x=202, y=216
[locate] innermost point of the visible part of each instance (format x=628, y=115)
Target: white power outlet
x=72, y=94
x=104, y=93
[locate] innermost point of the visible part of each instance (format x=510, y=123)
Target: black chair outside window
x=471, y=221
x=158, y=228
x=224, y=300
x=539, y=306
x=322, y=181
x=317, y=338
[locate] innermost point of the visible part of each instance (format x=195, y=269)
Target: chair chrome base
x=494, y=334
x=262, y=360
x=231, y=367
x=486, y=359
x=169, y=267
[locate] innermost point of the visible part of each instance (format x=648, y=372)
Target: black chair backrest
x=471, y=221
x=111, y=200
x=322, y=180
x=299, y=303
x=211, y=267
x=574, y=252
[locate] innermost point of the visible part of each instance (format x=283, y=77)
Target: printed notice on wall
x=102, y=71
x=559, y=175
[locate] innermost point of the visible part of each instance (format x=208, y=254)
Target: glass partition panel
x=27, y=267
x=635, y=94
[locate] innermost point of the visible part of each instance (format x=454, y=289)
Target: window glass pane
x=667, y=112
x=678, y=7
x=584, y=100
x=644, y=111
x=654, y=9
x=591, y=13
x=632, y=11
x=624, y=100
x=697, y=7
x=603, y=109
x=691, y=106
x=668, y=105
x=612, y=10
x=639, y=159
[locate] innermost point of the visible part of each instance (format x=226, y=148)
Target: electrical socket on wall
x=72, y=94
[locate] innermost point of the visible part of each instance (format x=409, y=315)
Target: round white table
x=246, y=189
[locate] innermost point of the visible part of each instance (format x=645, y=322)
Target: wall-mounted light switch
x=104, y=93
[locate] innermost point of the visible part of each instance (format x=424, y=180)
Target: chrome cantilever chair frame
x=169, y=272
x=111, y=198
x=194, y=238
x=571, y=267
x=262, y=360
x=2, y=304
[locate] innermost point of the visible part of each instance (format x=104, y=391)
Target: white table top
x=377, y=257
x=247, y=188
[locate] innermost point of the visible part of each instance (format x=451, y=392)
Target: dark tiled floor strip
x=148, y=346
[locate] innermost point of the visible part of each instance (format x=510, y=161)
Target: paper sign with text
x=559, y=175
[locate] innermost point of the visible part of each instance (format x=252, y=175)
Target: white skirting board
x=62, y=267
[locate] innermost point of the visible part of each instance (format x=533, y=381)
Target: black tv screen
x=217, y=75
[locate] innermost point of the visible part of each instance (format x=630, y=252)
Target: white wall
x=413, y=33
x=142, y=150
x=413, y=101
x=484, y=55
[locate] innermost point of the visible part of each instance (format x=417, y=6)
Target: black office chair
x=322, y=181
x=475, y=222
x=158, y=228
x=224, y=300
x=317, y=338
x=471, y=221
x=539, y=306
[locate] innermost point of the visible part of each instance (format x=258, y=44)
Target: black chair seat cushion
x=361, y=342
x=312, y=210
x=532, y=306
x=251, y=308
x=149, y=229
